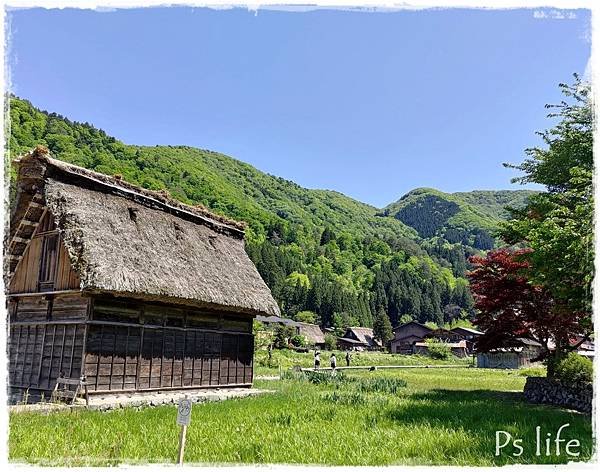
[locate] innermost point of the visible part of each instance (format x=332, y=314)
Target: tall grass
x=389, y=385
x=286, y=359
x=315, y=377
x=447, y=416
x=386, y=384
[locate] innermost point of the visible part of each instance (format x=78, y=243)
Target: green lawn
x=287, y=358
x=446, y=416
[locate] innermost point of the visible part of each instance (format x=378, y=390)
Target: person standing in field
x=333, y=362
x=348, y=357
x=317, y=359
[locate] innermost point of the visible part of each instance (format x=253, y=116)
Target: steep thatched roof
x=133, y=242
x=312, y=332
x=268, y=320
x=416, y=323
x=364, y=335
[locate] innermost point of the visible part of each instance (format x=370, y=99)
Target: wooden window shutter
x=48, y=263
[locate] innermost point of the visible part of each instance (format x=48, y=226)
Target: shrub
x=282, y=336
x=438, y=350
x=262, y=336
x=264, y=362
x=306, y=317
x=298, y=340
x=574, y=369
x=330, y=342
x=532, y=372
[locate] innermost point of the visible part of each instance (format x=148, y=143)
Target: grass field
x=445, y=416
x=287, y=358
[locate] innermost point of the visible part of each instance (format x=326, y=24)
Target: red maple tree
x=510, y=306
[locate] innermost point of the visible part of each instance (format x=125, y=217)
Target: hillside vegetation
x=318, y=250
x=466, y=218
x=494, y=202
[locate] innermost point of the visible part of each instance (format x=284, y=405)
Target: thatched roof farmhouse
x=313, y=334
x=357, y=337
x=123, y=265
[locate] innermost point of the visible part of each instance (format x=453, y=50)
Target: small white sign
x=184, y=411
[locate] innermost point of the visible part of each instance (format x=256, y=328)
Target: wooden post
x=184, y=412
x=182, y=435
x=85, y=389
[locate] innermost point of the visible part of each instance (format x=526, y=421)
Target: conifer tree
x=382, y=328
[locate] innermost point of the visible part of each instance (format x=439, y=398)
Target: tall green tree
x=382, y=328
x=306, y=316
x=558, y=224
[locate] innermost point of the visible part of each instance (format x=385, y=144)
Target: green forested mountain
x=318, y=250
x=494, y=202
x=467, y=218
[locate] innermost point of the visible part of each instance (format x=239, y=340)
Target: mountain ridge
x=317, y=250
x=468, y=218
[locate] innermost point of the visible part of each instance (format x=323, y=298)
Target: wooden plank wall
x=148, y=352
x=140, y=358
x=46, y=338
x=66, y=277
x=126, y=345
x=26, y=276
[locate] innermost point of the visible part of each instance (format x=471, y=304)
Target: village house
x=524, y=352
x=458, y=349
x=454, y=341
x=517, y=353
x=411, y=338
x=127, y=287
x=274, y=321
x=312, y=333
x=444, y=335
x=358, y=338
x=470, y=336
x=585, y=349
x=406, y=335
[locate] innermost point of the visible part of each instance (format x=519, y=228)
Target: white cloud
x=554, y=14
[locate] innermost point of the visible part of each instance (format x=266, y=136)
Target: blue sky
x=369, y=104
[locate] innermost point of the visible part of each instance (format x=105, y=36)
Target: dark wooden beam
x=42, y=294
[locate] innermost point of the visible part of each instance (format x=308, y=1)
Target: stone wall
x=139, y=400
x=550, y=391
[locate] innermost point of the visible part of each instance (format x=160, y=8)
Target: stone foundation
x=142, y=399
x=550, y=391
